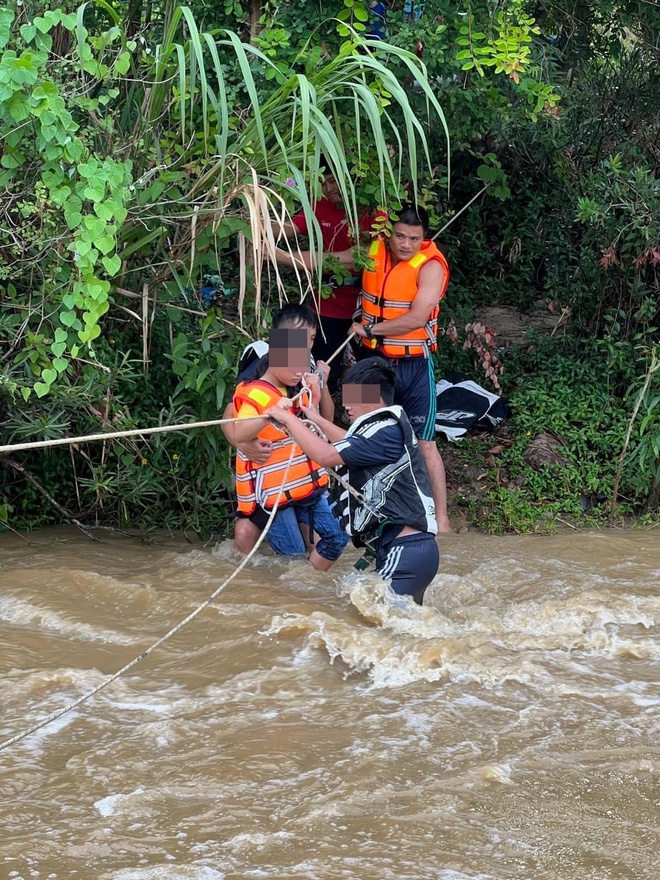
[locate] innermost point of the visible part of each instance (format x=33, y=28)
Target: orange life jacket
x=388, y=292
x=261, y=484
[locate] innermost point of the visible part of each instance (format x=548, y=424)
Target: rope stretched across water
x=128, y=666
x=175, y=629
x=140, y=432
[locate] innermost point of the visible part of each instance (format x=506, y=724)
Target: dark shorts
x=414, y=390
x=409, y=563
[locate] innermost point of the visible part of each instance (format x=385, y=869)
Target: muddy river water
x=302, y=726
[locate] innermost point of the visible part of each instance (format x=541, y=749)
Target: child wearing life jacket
x=252, y=365
x=288, y=477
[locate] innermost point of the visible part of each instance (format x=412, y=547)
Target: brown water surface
x=304, y=726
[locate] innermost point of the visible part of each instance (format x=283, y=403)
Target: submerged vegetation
x=146, y=146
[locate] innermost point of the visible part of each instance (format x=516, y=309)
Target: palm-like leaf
x=243, y=155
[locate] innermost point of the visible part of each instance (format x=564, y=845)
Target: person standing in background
x=336, y=311
x=399, y=306
x=377, y=19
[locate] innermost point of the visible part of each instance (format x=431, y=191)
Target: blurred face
x=359, y=400
x=405, y=241
x=288, y=353
x=330, y=190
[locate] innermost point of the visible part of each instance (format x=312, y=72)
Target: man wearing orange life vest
x=399, y=307
x=288, y=477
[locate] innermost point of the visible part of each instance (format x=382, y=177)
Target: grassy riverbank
x=147, y=147
x=563, y=458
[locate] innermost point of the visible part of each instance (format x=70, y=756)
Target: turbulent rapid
x=315, y=726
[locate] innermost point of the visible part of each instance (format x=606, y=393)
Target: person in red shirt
x=335, y=311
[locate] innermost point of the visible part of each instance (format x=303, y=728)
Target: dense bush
x=144, y=146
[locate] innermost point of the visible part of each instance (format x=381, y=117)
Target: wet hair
x=373, y=371
x=413, y=215
x=295, y=315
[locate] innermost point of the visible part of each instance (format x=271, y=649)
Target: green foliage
x=507, y=49
x=503, y=510
x=643, y=464
x=146, y=146
x=191, y=173
x=65, y=203
x=557, y=399
x=621, y=216
x=133, y=166
x=353, y=16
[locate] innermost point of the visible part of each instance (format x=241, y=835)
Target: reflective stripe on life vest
x=262, y=484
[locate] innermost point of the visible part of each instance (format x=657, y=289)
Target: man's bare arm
x=257, y=450
x=327, y=404
x=319, y=450
x=309, y=259
x=332, y=432
x=286, y=229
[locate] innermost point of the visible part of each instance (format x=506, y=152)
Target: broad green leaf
x=6, y=21
x=41, y=389
x=27, y=32
x=112, y=265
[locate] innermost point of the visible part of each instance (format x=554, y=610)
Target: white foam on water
x=143, y=704
x=107, y=806
x=25, y=614
x=501, y=773
x=36, y=742
x=491, y=641
x=165, y=872
x=256, y=840
x=386, y=658
x=445, y=874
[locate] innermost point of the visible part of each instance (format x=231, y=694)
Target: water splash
x=485, y=641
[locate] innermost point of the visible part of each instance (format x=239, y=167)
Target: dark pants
x=414, y=389
x=336, y=332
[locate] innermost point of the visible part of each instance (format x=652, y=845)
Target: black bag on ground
x=462, y=405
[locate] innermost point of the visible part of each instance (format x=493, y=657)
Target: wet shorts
x=284, y=534
x=410, y=563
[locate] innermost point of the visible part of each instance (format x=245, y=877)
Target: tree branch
x=65, y=513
